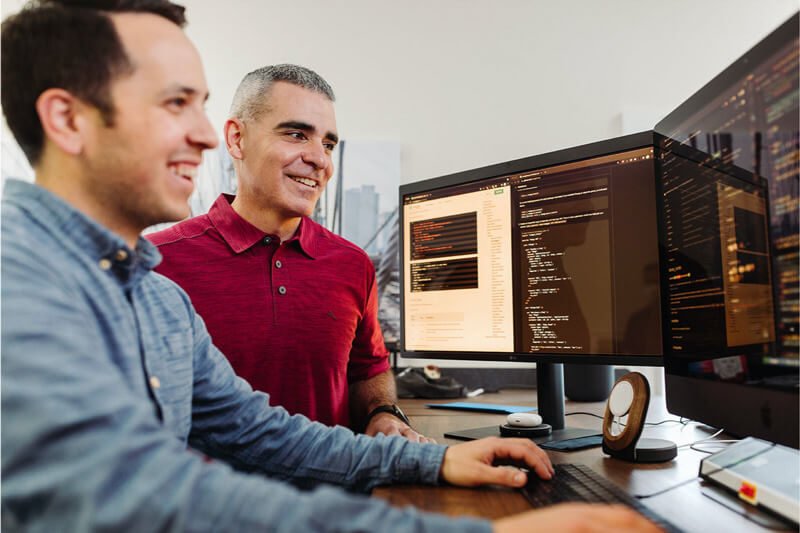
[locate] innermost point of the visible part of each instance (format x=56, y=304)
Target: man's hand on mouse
x=474, y=463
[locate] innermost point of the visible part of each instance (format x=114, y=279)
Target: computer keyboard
x=579, y=483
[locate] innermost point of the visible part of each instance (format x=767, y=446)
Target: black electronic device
x=729, y=245
x=579, y=483
x=549, y=259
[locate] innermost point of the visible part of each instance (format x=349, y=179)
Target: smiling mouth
x=184, y=170
x=305, y=181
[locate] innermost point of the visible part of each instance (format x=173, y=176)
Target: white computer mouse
x=524, y=420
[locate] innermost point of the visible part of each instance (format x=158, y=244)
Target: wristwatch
x=391, y=409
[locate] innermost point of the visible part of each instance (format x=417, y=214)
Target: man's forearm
x=368, y=394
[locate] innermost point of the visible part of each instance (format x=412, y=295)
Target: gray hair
x=250, y=99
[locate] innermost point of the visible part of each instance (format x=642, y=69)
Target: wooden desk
x=686, y=506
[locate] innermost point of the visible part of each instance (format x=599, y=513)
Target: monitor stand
x=550, y=397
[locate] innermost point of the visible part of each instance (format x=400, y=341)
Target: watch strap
x=391, y=409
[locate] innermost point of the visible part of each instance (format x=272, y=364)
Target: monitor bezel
x=568, y=155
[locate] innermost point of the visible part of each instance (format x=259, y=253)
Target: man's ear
x=234, y=137
x=60, y=114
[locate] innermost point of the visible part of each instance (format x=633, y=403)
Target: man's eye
x=296, y=134
x=329, y=146
x=177, y=103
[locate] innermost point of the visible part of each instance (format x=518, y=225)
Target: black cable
x=584, y=413
x=709, y=474
x=681, y=422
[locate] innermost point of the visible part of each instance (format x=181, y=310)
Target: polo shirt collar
x=237, y=232
x=240, y=235
x=307, y=236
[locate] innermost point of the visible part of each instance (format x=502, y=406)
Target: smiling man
x=292, y=305
x=93, y=132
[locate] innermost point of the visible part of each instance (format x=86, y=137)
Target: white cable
x=702, y=440
x=724, y=444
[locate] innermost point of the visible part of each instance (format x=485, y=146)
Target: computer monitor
x=728, y=204
x=549, y=259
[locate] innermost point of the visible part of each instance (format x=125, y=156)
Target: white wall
x=465, y=83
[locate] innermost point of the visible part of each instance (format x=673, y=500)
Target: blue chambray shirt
x=110, y=382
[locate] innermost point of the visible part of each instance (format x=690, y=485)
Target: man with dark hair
x=88, y=56
x=108, y=375
x=292, y=305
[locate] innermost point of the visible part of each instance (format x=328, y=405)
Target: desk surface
x=686, y=506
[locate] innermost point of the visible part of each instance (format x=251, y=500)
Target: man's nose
x=316, y=155
x=202, y=132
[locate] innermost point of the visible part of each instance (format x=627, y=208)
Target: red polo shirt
x=298, y=319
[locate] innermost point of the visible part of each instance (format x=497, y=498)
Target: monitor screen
x=729, y=197
x=552, y=258
x=718, y=281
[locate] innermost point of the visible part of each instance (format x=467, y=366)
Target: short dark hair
x=68, y=44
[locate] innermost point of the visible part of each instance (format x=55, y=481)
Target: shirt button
x=121, y=255
x=155, y=382
x=267, y=240
x=278, y=263
x=282, y=289
x=104, y=264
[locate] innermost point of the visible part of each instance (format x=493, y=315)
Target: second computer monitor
x=552, y=258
